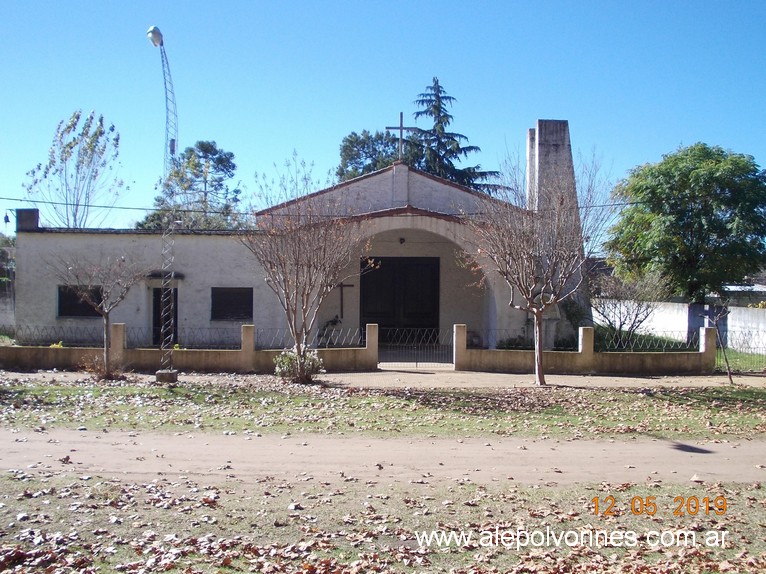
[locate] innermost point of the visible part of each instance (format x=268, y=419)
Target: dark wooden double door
x=401, y=293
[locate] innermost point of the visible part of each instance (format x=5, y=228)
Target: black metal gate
x=414, y=347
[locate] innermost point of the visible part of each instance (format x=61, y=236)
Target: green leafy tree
x=365, y=152
x=697, y=218
x=79, y=183
x=198, y=191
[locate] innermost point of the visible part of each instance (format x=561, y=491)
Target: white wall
x=205, y=261
x=220, y=260
x=744, y=328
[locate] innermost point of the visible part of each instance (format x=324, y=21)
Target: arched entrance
x=401, y=295
x=418, y=289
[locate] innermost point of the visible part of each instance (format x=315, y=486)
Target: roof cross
x=401, y=129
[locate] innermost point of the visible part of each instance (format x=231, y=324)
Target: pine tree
x=443, y=149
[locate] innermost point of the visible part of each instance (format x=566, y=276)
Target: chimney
x=27, y=220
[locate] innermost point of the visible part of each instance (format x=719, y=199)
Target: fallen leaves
x=239, y=405
x=57, y=520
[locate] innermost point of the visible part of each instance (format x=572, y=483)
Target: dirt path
x=247, y=458
x=447, y=378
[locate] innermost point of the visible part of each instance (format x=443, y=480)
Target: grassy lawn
x=263, y=405
x=741, y=362
x=60, y=521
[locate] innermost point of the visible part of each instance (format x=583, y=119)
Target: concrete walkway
x=445, y=377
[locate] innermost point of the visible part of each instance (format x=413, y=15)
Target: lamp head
x=155, y=36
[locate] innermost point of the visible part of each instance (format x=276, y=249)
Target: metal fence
x=187, y=338
x=46, y=335
x=325, y=338
x=415, y=347
x=607, y=340
x=512, y=340
x=745, y=351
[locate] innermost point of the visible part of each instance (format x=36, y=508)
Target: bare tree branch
x=623, y=306
x=101, y=283
x=306, y=245
x=540, y=253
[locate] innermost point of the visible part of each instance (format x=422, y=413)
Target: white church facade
x=412, y=224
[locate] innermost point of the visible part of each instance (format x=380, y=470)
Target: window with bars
x=71, y=303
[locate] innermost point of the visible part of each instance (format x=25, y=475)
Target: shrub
x=518, y=343
x=289, y=366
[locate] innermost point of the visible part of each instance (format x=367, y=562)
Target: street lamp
x=167, y=374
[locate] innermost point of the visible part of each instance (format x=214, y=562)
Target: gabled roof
x=395, y=187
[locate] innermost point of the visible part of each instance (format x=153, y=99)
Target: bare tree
x=540, y=252
x=101, y=284
x=306, y=245
x=80, y=177
x=623, y=306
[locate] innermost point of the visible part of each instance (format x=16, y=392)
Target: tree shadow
x=683, y=447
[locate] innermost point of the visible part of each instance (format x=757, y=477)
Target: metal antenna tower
x=167, y=374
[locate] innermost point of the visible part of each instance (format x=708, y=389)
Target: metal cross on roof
x=401, y=129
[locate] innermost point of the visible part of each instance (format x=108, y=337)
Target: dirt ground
x=244, y=458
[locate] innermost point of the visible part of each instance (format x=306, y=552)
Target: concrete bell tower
x=549, y=163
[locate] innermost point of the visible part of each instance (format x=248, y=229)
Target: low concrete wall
x=32, y=358
x=585, y=360
x=249, y=360
x=244, y=360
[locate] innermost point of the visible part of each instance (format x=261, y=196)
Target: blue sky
x=634, y=79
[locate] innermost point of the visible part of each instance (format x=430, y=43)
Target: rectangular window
x=231, y=304
x=72, y=305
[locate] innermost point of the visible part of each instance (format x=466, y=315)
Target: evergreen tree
x=442, y=149
x=434, y=150
x=198, y=191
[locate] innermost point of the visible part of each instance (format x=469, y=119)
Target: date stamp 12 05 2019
x=648, y=505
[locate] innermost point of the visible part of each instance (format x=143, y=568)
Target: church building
x=412, y=224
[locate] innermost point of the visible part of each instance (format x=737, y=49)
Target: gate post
x=371, y=344
x=247, y=348
x=708, y=339
x=459, y=354
x=117, y=344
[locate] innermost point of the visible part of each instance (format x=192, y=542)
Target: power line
x=271, y=214
x=118, y=207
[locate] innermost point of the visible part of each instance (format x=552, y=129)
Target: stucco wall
x=585, y=360
x=209, y=260
x=244, y=360
x=205, y=261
